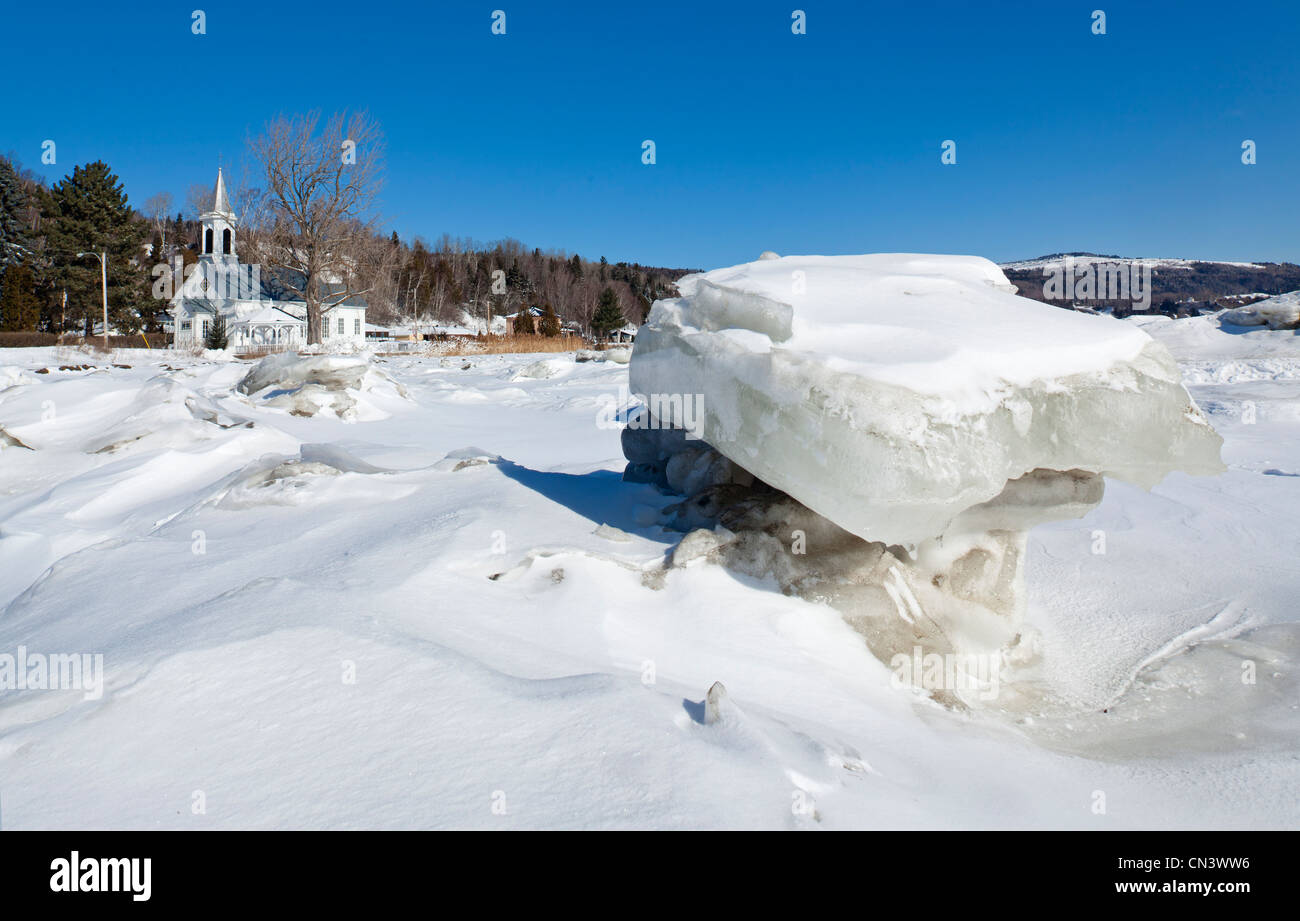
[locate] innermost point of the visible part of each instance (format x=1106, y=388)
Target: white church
x=255, y=317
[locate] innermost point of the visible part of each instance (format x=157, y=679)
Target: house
x=512, y=318
x=257, y=312
x=626, y=334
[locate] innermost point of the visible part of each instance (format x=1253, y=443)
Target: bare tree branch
x=315, y=225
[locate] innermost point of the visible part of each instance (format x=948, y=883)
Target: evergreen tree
x=180, y=233
x=608, y=316
x=575, y=267
x=13, y=230
x=524, y=325
x=550, y=323
x=20, y=308
x=217, y=338
x=88, y=212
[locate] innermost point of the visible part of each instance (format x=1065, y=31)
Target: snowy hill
x=1173, y=282
x=1058, y=259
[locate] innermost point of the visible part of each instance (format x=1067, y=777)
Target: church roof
x=269, y=315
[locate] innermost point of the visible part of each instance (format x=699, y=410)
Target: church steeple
x=218, y=235
x=220, y=203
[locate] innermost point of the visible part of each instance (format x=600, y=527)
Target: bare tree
x=198, y=200
x=158, y=208
x=315, y=226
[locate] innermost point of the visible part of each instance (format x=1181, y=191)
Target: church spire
x=218, y=240
x=221, y=203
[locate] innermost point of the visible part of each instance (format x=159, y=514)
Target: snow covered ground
x=411, y=616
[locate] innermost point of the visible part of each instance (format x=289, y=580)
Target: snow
x=892, y=392
x=339, y=655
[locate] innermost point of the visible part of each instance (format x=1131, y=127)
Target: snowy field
x=434, y=603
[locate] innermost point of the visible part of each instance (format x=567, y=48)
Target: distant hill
x=1178, y=286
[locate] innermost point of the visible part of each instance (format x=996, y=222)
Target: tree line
x=307, y=218
x=436, y=283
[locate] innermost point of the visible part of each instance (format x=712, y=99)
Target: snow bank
x=891, y=393
x=543, y=369
x=12, y=376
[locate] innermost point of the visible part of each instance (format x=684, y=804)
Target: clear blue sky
x=823, y=143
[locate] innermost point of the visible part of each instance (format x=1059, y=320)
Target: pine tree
x=550, y=323
x=608, y=316
x=524, y=325
x=14, y=241
x=20, y=308
x=575, y=267
x=88, y=212
x=217, y=338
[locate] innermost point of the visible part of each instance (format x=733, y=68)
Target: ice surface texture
x=894, y=393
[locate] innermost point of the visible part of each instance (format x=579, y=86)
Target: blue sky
x=828, y=142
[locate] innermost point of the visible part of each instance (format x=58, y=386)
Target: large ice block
x=898, y=395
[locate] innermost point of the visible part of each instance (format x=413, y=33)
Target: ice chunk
x=895, y=394
x=543, y=369
x=306, y=385
x=1281, y=312
x=288, y=371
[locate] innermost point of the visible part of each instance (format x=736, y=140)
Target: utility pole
x=103, y=277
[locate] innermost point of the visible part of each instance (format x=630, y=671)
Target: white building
x=257, y=316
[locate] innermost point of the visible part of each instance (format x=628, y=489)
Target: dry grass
x=138, y=341
x=511, y=343
x=522, y=342
x=23, y=340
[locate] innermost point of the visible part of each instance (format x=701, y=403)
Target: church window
x=340, y=326
x=225, y=241
x=356, y=327
x=207, y=240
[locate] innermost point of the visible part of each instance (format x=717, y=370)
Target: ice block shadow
x=601, y=496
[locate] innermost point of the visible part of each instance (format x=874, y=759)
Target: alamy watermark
x=35, y=671
x=1094, y=280
x=207, y=280
x=952, y=671
x=664, y=411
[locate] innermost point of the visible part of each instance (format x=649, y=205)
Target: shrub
x=217, y=338
x=550, y=323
